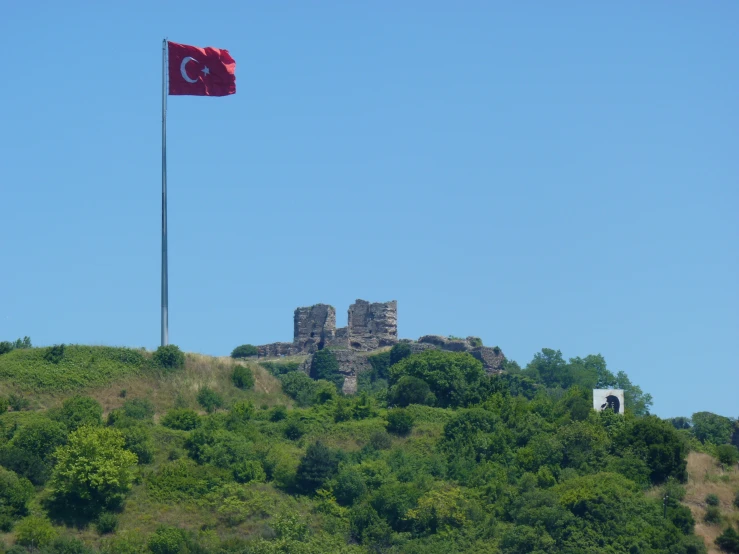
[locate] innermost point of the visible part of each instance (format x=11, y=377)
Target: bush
x=4, y=405
x=294, y=430
x=106, y=523
x=298, y=386
x=139, y=408
x=248, y=471
x=137, y=439
x=349, y=487
x=78, y=411
x=316, y=467
x=35, y=532
x=17, y=402
x=399, y=352
x=278, y=413
x=325, y=366
x=728, y=454
x=712, y=516
x=728, y=541
x=169, y=357
x=410, y=390
x=69, y=545
x=712, y=500
x=93, y=471
x=54, y=354
x=5, y=347
x=167, y=540
x=245, y=351
x=15, y=492
x=209, y=399
x=280, y=368
x=399, y=421
x=380, y=440
x=243, y=377
x=182, y=419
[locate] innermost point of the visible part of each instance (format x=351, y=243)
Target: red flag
x=200, y=71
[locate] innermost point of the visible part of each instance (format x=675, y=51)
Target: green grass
x=81, y=367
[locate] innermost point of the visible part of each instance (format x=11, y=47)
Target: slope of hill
x=432, y=455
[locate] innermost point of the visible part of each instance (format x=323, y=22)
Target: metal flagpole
x=165, y=276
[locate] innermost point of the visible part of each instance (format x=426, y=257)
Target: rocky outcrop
x=373, y=325
x=492, y=358
x=277, y=349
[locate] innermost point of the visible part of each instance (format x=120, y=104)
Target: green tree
x=183, y=419
x=94, y=471
x=79, y=411
x=708, y=427
x=15, y=492
x=399, y=352
x=325, y=366
x=139, y=408
x=209, y=399
x=349, y=487
x=244, y=351
x=316, y=467
x=728, y=454
x=728, y=541
x=410, y=390
x=29, y=452
x=169, y=357
x=35, y=532
x=399, y=421
x=299, y=386
x=242, y=377
x=451, y=376
x=658, y=443
x=549, y=368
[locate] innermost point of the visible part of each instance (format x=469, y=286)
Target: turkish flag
x=200, y=71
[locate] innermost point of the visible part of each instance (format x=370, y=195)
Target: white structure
x=608, y=398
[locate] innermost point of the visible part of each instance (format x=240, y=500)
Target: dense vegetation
x=432, y=455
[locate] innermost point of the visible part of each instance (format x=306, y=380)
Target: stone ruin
x=370, y=326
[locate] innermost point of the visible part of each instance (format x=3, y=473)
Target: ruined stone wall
x=492, y=358
x=373, y=325
x=314, y=326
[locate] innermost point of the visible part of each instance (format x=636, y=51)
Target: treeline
x=431, y=456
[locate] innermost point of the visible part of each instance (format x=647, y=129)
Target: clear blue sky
x=539, y=174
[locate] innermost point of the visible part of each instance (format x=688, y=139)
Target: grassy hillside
x=432, y=456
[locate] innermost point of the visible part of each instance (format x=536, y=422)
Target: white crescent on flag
x=183, y=70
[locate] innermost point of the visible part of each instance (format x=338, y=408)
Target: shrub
x=4, y=405
x=451, y=376
x=410, y=390
x=380, y=440
x=294, y=430
x=209, y=399
x=242, y=377
x=78, y=411
x=728, y=454
x=299, y=386
x=476, y=342
x=712, y=500
x=245, y=351
x=5, y=347
x=167, y=540
x=17, y=402
x=69, y=545
x=278, y=413
x=169, y=357
x=713, y=515
x=399, y=421
x=728, y=541
x=349, y=487
x=325, y=366
x=399, y=352
x=139, y=408
x=183, y=419
x=137, y=439
x=280, y=368
x=93, y=471
x=106, y=523
x=315, y=467
x=15, y=492
x=248, y=471
x=54, y=354
x=35, y=532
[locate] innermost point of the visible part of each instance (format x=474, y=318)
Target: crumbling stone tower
x=372, y=325
x=314, y=327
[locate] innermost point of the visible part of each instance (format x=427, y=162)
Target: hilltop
x=265, y=455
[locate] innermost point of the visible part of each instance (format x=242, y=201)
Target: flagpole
x=165, y=275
